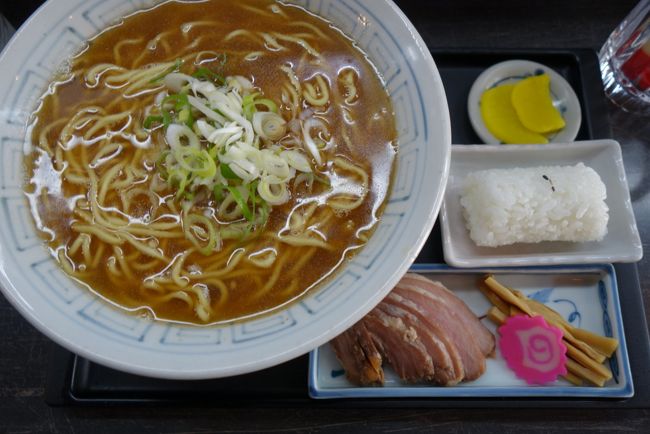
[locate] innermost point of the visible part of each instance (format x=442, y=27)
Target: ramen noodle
x=206, y=162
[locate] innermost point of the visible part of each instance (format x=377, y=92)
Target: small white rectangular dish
x=585, y=295
x=621, y=244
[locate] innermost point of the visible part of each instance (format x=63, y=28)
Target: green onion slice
x=228, y=173
x=208, y=74
x=236, y=194
x=149, y=120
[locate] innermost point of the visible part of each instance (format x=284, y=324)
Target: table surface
x=442, y=24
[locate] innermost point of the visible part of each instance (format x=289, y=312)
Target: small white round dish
x=510, y=71
x=76, y=319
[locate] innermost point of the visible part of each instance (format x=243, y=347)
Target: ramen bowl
x=74, y=317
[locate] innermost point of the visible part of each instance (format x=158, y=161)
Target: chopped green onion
x=213, y=151
x=207, y=74
x=213, y=236
x=193, y=163
x=185, y=116
x=249, y=105
x=181, y=106
x=151, y=120
x=252, y=191
x=270, y=105
x=167, y=118
x=179, y=100
x=228, y=173
x=217, y=190
x=181, y=187
x=249, y=99
x=236, y=194
x=209, y=169
x=196, y=161
x=181, y=176
x=264, y=212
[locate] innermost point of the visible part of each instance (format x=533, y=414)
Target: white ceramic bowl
x=76, y=319
x=512, y=71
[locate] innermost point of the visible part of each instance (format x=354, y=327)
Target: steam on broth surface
x=210, y=161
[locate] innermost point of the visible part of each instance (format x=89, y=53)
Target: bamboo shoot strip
x=605, y=345
x=492, y=297
x=584, y=361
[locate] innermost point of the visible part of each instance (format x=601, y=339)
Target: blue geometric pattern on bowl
x=76, y=318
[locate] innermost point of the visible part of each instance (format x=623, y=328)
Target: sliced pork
x=358, y=355
x=447, y=322
x=447, y=365
x=485, y=338
x=423, y=331
x=400, y=346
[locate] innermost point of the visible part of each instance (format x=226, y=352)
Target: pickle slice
x=531, y=98
x=501, y=118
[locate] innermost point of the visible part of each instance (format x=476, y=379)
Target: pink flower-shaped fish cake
x=533, y=349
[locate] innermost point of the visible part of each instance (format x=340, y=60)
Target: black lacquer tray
x=73, y=380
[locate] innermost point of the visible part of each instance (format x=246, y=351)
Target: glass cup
x=625, y=61
x=6, y=31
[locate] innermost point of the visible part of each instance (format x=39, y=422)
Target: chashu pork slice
x=355, y=350
x=447, y=364
x=484, y=337
x=445, y=319
x=400, y=346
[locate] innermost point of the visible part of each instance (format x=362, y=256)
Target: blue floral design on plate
x=607, y=325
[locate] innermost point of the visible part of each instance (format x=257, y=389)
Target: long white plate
x=621, y=244
x=586, y=296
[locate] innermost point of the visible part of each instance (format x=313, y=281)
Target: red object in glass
x=644, y=79
x=637, y=67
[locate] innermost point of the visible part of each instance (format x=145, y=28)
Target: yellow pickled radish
x=501, y=119
x=531, y=98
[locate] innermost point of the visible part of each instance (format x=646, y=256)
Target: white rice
x=529, y=205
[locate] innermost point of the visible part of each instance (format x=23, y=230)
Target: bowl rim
x=13, y=294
